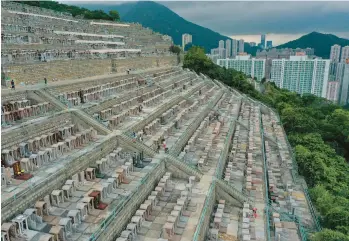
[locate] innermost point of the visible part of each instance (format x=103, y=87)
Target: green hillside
x=97, y=13
x=320, y=42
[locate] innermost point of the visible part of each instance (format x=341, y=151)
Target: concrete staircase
x=79, y=113
x=178, y=146
x=168, y=158
x=44, y=94
x=91, y=121
x=233, y=191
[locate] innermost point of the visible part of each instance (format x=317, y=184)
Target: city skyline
x=330, y=79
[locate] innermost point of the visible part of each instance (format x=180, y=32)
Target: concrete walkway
x=22, y=88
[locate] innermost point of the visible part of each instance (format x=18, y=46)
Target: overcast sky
x=281, y=21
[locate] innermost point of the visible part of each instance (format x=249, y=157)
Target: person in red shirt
x=254, y=212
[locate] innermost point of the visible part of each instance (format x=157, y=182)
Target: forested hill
x=161, y=19
x=97, y=13
x=320, y=42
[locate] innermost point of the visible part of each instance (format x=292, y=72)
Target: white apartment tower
x=234, y=48
x=186, y=39
x=228, y=48
x=221, y=44
x=241, y=45
x=335, y=53
x=245, y=64
x=345, y=54
x=333, y=91
x=301, y=74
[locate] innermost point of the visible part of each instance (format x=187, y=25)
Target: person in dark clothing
x=45, y=81
x=81, y=95
x=13, y=85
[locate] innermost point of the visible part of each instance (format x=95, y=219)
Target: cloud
x=283, y=20
x=236, y=18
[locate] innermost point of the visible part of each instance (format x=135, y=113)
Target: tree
x=336, y=216
x=329, y=235
x=73, y=10
x=175, y=49
x=263, y=80
x=114, y=14
x=197, y=60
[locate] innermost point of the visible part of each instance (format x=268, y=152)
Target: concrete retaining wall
x=59, y=70
x=76, y=69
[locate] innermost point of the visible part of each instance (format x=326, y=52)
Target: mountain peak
x=321, y=42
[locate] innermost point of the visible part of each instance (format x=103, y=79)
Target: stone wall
x=19, y=95
x=14, y=96
x=121, y=65
x=75, y=69
x=59, y=70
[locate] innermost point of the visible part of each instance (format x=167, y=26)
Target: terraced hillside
x=159, y=153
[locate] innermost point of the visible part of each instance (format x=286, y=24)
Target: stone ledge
x=25, y=200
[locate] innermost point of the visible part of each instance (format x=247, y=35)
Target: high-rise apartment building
x=269, y=44
x=228, y=48
x=344, y=54
x=301, y=74
x=246, y=64
x=309, y=51
x=335, y=53
x=214, y=51
x=186, y=39
x=333, y=91
x=343, y=76
x=338, y=71
x=282, y=53
x=263, y=41
x=221, y=53
x=241, y=46
x=213, y=57
x=221, y=44
x=234, y=47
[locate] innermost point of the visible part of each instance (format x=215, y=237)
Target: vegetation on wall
x=175, y=49
x=75, y=11
x=317, y=129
